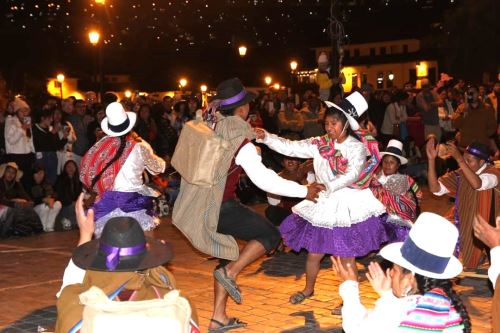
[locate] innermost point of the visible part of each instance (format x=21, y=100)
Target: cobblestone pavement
x=31, y=271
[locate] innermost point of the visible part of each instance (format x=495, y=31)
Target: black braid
x=119, y=152
x=425, y=284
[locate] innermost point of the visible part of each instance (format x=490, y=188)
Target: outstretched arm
x=301, y=149
x=268, y=180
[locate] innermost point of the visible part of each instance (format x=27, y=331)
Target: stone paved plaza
x=31, y=271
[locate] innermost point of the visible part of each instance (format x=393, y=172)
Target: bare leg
x=312, y=269
x=251, y=252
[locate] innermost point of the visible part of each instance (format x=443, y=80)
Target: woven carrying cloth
x=338, y=163
x=96, y=159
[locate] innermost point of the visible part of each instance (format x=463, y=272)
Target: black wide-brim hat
x=232, y=94
x=122, y=233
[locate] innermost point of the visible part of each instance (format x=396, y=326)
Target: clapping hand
x=346, y=272
x=453, y=151
x=486, y=233
x=380, y=281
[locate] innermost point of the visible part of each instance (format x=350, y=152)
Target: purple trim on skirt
x=355, y=241
x=126, y=201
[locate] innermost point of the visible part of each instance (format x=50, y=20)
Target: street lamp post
x=293, y=67
x=182, y=84
x=268, y=80
x=94, y=37
x=60, y=79
x=242, y=50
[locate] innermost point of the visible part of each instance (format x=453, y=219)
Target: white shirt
x=488, y=181
x=385, y=317
x=16, y=140
x=494, y=269
x=264, y=178
x=129, y=178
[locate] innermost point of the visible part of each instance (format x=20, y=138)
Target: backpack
x=199, y=154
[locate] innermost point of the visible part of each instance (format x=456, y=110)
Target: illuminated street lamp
x=94, y=37
x=391, y=76
x=60, y=78
x=203, y=88
x=277, y=86
x=293, y=65
x=268, y=80
x=128, y=93
x=100, y=2
x=242, y=50
x=182, y=83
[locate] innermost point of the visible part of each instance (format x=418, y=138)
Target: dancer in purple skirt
x=346, y=221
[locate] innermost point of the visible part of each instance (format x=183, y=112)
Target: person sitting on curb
x=416, y=293
x=103, y=263
x=490, y=236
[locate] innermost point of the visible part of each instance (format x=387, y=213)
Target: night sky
x=158, y=40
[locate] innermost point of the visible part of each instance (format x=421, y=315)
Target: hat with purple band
x=231, y=94
x=479, y=151
x=122, y=248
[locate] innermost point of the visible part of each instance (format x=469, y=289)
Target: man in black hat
x=228, y=112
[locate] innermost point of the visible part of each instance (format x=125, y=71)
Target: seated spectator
x=137, y=274
x=290, y=120
x=490, y=236
x=474, y=186
x=416, y=294
x=399, y=193
x=146, y=125
x=416, y=167
x=44, y=197
x=21, y=219
x=68, y=187
x=280, y=207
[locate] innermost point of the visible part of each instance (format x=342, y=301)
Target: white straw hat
x=395, y=148
x=117, y=122
x=428, y=250
x=353, y=106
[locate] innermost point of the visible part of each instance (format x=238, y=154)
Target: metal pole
x=60, y=89
x=101, y=74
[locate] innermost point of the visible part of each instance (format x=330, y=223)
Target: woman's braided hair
x=426, y=284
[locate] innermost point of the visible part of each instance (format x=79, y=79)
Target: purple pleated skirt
x=355, y=241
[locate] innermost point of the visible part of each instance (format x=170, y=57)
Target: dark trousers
x=243, y=223
x=277, y=214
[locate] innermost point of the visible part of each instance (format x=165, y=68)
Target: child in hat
x=346, y=219
x=399, y=193
x=416, y=294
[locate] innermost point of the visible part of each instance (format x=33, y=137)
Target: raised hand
x=85, y=222
x=380, y=281
x=346, y=272
x=431, y=148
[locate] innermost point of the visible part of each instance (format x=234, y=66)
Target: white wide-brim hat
x=353, y=106
x=118, y=122
x=395, y=148
x=428, y=250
